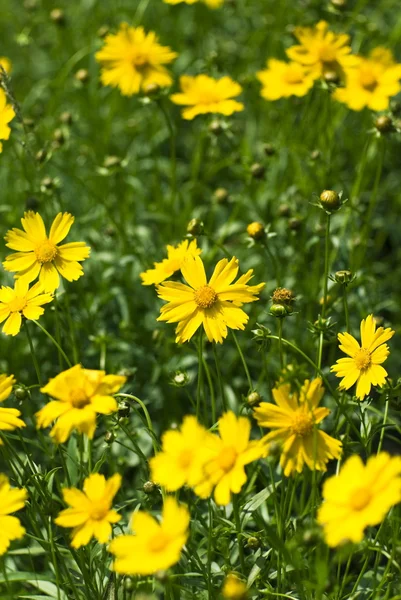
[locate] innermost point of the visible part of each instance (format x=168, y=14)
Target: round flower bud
x=315, y=154
x=40, y=156
x=254, y=398
x=195, y=227
x=256, y=230
x=284, y=210
x=21, y=393
x=283, y=296
x=47, y=183
x=253, y=543
x=295, y=223
x=330, y=200
x=149, y=487
x=103, y=31
x=221, y=195
x=258, y=171
x=109, y=437
x=331, y=77
x=269, y=149
x=215, y=127
x=161, y=576
x=59, y=136
x=310, y=537
x=278, y=310
x=82, y=75
x=57, y=16
x=339, y=3
x=179, y=379
x=66, y=118
x=343, y=276
x=384, y=124
x=111, y=161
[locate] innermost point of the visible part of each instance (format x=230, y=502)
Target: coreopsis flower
x=359, y=496
x=182, y=457
x=175, y=258
x=6, y=115
x=154, y=546
x=209, y=3
x=133, y=60
x=39, y=254
x=90, y=513
x=282, y=79
x=5, y=63
x=224, y=470
x=371, y=83
x=11, y=500
x=215, y=305
x=204, y=95
x=234, y=588
x=80, y=394
x=293, y=421
x=8, y=416
x=21, y=302
x=321, y=50
x=363, y=366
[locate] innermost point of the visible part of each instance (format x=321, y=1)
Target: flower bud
x=295, y=223
x=256, y=230
x=180, y=379
x=103, y=31
x=311, y=537
x=254, y=398
x=315, y=154
x=278, y=310
x=340, y=4
x=66, y=118
x=124, y=410
x=59, y=136
x=111, y=161
x=284, y=210
x=283, y=296
x=330, y=200
x=109, y=437
x=40, y=156
x=258, y=171
x=215, y=127
x=384, y=124
x=269, y=149
x=149, y=487
x=344, y=277
x=57, y=16
x=253, y=543
x=195, y=227
x=47, y=183
x=221, y=195
x=21, y=393
x=331, y=77
x=29, y=123
x=274, y=449
x=82, y=75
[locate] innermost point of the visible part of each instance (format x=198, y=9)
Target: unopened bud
x=295, y=223
x=278, y=310
x=82, y=75
x=195, y=227
x=103, y=31
x=331, y=77
x=21, y=393
x=284, y=210
x=315, y=154
x=384, y=124
x=330, y=200
x=59, y=136
x=340, y=4
x=258, y=171
x=269, y=149
x=109, y=437
x=343, y=277
x=215, y=127
x=124, y=410
x=66, y=118
x=40, y=156
x=253, y=543
x=221, y=195
x=47, y=183
x=57, y=16
x=254, y=398
x=111, y=161
x=179, y=379
x=256, y=230
x=149, y=487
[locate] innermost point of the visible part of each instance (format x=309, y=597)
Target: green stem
x=211, y=389
x=238, y=529
x=346, y=311
x=35, y=360
x=147, y=417
x=173, y=153
x=63, y=354
x=326, y=265
x=209, y=551
x=274, y=263
x=383, y=426
x=280, y=342
x=199, y=386
x=219, y=378
x=248, y=376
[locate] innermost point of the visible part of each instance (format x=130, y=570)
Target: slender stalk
x=209, y=551
x=199, y=386
x=219, y=378
x=238, y=529
x=63, y=354
x=280, y=342
x=147, y=417
x=248, y=376
x=33, y=354
x=173, y=153
x=383, y=426
x=211, y=389
x=346, y=311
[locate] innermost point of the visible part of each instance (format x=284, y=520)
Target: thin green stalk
x=273, y=262
x=211, y=389
x=209, y=551
x=383, y=426
x=4, y=569
x=280, y=342
x=173, y=153
x=248, y=376
x=33, y=354
x=325, y=287
x=219, y=378
x=147, y=417
x=199, y=386
x=54, y=342
x=238, y=528
x=346, y=311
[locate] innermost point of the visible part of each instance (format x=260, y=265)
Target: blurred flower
x=39, y=254
x=372, y=82
x=204, y=95
x=216, y=304
x=234, y=588
x=8, y=416
x=132, y=60
x=359, y=496
x=293, y=422
x=282, y=79
x=182, y=457
x=321, y=50
x=256, y=230
x=6, y=115
x=11, y=500
x=230, y=452
x=154, y=546
x=209, y=3
x=80, y=394
x=175, y=258
x=21, y=301
x=6, y=64
x=364, y=365
x=90, y=514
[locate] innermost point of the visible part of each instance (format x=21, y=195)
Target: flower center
x=158, y=542
x=205, y=296
x=363, y=359
x=368, y=81
x=79, y=399
x=99, y=511
x=45, y=251
x=227, y=458
x=293, y=75
x=17, y=304
x=185, y=458
x=360, y=499
x=302, y=424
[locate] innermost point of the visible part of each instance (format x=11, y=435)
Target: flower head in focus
x=90, y=513
x=359, y=496
x=282, y=79
x=133, y=60
x=175, y=258
x=6, y=115
x=39, y=254
x=11, y=500
x=154, y=546
x=363, y=366
x=80, y=394
x=21, y=302
x=293, y=421
x=205, y=95
x=214, y=304
x=8, y=416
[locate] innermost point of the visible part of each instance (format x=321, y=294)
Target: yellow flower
x=80, y=394
x=175, y=258
x=372, y=82
x=154, y=546
x=203, y=95
x=209, y=3
x=11, y=500
x=6, y=115
x=6, y=64
x=21, y=301
x=39, y=254
x=216, y=304
x=182, y=457
x=234, y=588
x=8, y=416
x=133, y=60
x=229, y=454
x=364, y=365
x=281, y=80
x=359, y=496
x=293, y=423
x=321, y=50
x=90, y=514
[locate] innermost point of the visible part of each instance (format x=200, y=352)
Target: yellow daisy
x=321, y=50
x=229, y=453
x=209, y=3
x=204, y=95
x=175, y=257
x=293, y=422
x=360, y=496
x=281, y=80
x=21, y=302
x=6, y=115
x=11, y=500
x=216, y=304
x=364, y=365
x=155, y=546
x=80, y=395
x=90, y=514
x=8, y=416
x=234, y=588
x=40, y=255
x=372, y=82
x=133, y=60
